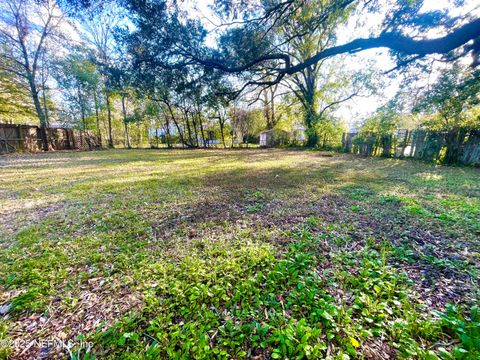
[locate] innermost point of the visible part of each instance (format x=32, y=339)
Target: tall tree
x=78, y=79
x=268, y=98
x=316, y=36
x=100, y=22
x=27, y=27
x=267, y=42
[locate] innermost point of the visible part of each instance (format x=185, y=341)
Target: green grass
x=238, y=254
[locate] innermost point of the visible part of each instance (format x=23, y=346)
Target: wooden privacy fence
x=19, y=138
x=460, y=146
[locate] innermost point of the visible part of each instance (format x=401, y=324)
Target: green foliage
x=284, y=306
x=5, y=351
x=450, y=100
x=15, y=102
x=329, y=133
x=464, y=326
x=381, y=123
x=79, y=79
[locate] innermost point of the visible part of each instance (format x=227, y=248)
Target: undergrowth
x=243, y=301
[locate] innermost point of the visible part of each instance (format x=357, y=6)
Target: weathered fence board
x=470, y=153
x=459, y=146
x=18, y=138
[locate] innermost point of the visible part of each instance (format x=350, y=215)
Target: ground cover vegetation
x=238, y=254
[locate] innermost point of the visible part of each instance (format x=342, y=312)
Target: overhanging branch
x=394, y=41
x=400, y=43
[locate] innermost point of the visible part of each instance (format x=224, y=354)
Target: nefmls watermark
x=45, y=343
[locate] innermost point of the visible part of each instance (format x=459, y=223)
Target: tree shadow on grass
x=284, y=198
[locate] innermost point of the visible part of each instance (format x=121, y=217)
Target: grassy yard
x=237, y=254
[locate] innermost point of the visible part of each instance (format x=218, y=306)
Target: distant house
x=59, y=125
x=209, y=140
x=274, y=137
x=159, y=132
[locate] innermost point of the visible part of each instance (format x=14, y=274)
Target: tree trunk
x=45, y=109
x=272, y=105
x=308, y=99
x=195, y=130
x=39, y=110
x=109, y=115
x=99, y=134
x=453, y=140
x=222, y=129
x=189, y=131
x=312, y=137
x=201, y=131
x=127, y=134
x=170, y=110
x=167, y=132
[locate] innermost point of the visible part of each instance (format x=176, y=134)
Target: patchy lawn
x=237, y=254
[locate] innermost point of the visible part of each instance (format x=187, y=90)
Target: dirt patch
x=95, y=308
x=18, y=214
x=377, y=350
